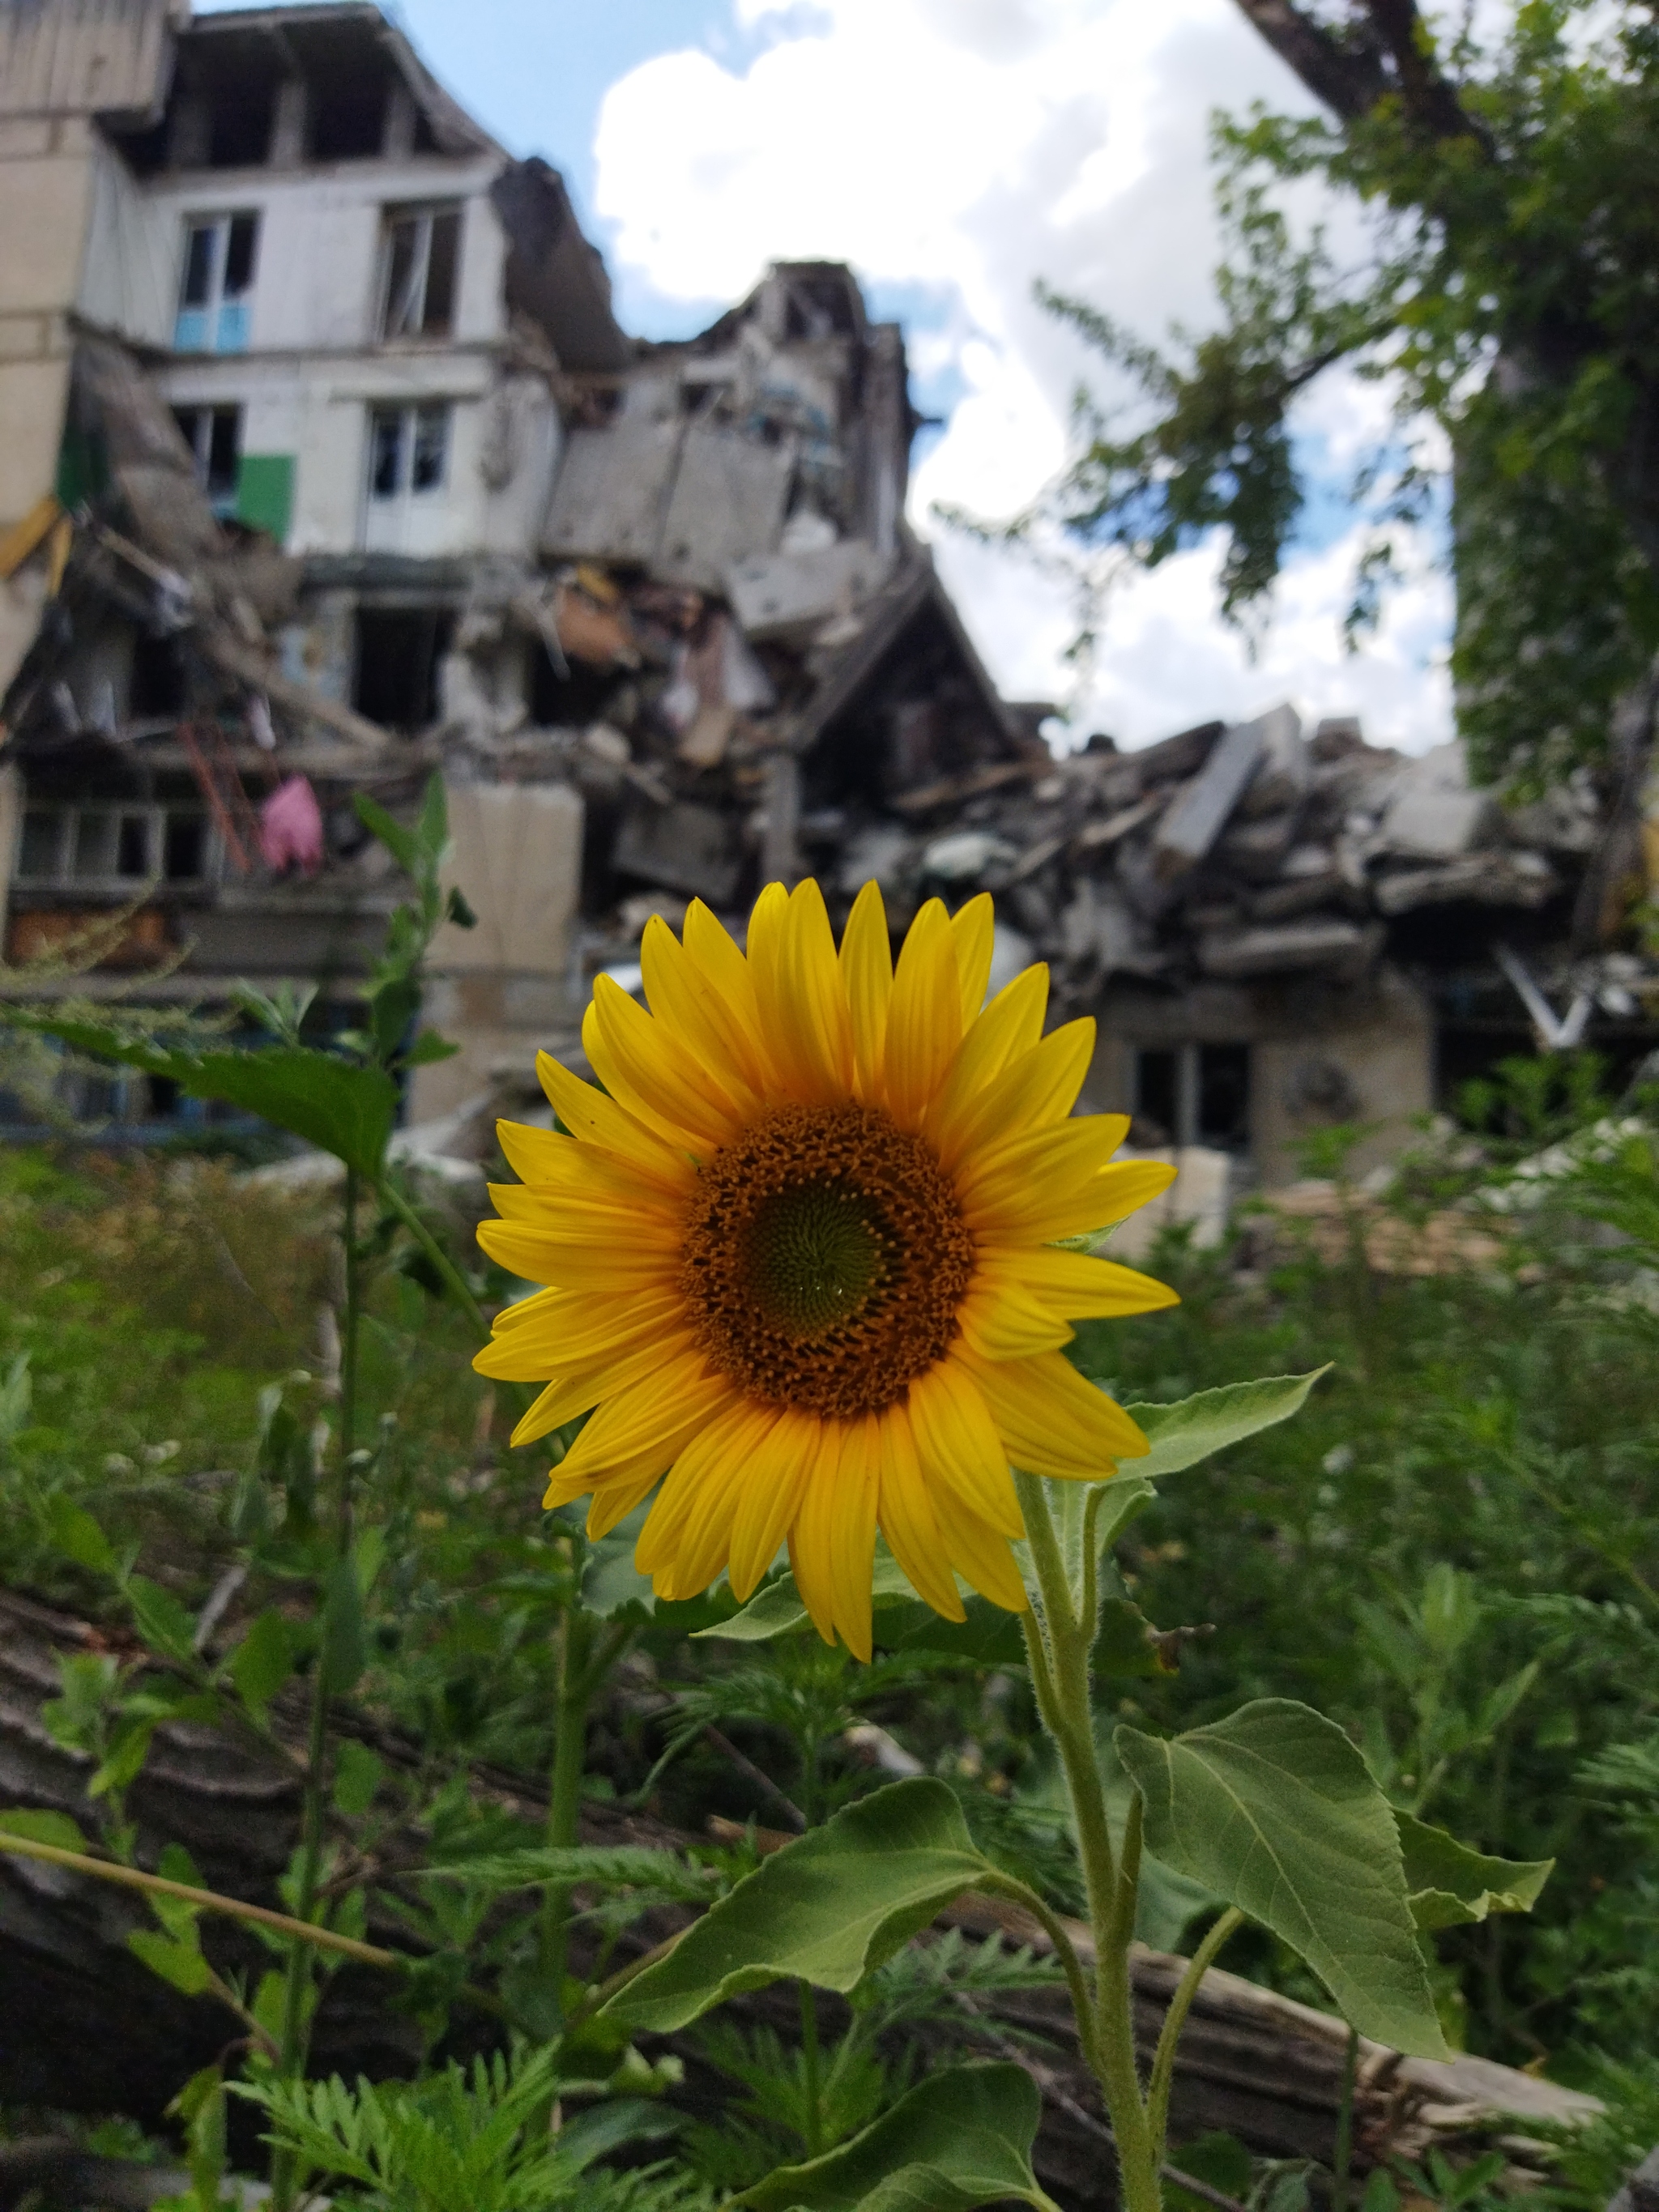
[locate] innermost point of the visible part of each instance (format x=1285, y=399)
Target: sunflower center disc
x=815, y=1254
x=825, y=1256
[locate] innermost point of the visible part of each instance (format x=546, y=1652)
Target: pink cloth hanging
x=291, y=829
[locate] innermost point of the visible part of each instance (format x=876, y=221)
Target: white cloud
x=970, y=146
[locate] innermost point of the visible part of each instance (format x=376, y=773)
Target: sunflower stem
x=297, y=1993
x=564, y=1796
x=1060, y=1648
x=811, y=2071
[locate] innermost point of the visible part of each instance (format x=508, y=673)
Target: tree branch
x=1345, y=73
x=1388, y=50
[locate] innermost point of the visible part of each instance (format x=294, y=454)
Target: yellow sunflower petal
x=546, y=1161
x=713, y=955
x=907, y=1519
x=866, y=969
x=1010, y=1026
x=1118, y=1191
x=924, y=1023
x=803, y=1007
x=593, y=1118
x=696, y=1015
x=578, y=1328
x=700, y=1474
x=973, y=930
x=660, y=1414
x=811, y=1554
x=575, y=1262
x=646, y=1208
x=1033, y=1092
x=578, y=1388
x=1051, y=1420
x=961, y=1453
x=615, y=1499
x=634, y=1476
x=770, y=1499
x=853, y=1537
x=1072, y=1283
x=980, y=1554
x=1002, y=1320
x=646, y=1069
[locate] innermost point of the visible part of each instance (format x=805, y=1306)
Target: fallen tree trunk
x=85, y=2027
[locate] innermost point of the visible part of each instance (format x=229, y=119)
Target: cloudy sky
x=954, y=151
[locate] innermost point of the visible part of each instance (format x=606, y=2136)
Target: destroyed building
x=328, y=466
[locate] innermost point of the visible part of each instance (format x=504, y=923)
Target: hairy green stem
x=1162, y=2075
x=454, y=1281
x=584, y=1658
x=1343, y=2164
x=811, y=2071
x=1063, y=1644
x=285, y=2167
x=204, y=1900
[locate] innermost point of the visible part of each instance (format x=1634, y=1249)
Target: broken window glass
x=1194, y=1094
x=216, y=283
x=431, y=447
x=385, y=452
x=41, y=856
x=184, y=849
x=408, y=449
x=214, y=435
x=422, y=255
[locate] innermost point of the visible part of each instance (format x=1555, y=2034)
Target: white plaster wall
x=313, y=369
x=130, y=270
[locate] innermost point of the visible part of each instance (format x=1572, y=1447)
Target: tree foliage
x=1504, y=186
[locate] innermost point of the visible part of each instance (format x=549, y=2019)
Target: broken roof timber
x=915, y=588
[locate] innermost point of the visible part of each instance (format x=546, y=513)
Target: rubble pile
x=1235, y=855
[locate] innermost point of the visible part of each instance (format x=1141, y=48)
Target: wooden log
x=85, y=2027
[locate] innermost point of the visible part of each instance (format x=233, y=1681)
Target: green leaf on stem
x=78, y=1537
x=166, y=1626
x=987, y=1637
x=345, y=1646
x=357, y=1775
x=1192, y=1429
x=825, y=1909
x=1448, y=1885
x=179, y=1963
x=262, y=1662
x=961, y=2139
x=346, y=1110
x=404, y=845
x=1275, y=1810
x=54, y=1828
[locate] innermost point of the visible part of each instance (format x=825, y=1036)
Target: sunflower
x=803, y=1257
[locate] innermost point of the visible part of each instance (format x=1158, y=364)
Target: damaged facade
x=328, y=465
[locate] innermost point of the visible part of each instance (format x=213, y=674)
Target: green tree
x=1506, y=187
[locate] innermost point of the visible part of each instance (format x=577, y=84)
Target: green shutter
x=265, y=493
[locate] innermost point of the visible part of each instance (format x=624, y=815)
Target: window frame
x=225, y=316
x=404, y=320
x=207, y=413
x=65, y=874
x=409, y=416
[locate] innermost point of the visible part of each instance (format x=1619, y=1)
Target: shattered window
x=385, y=452
x=423, y=256
x=214, y=435
x=215, y=283
x=1194, y=1094
x=431, y=447
x=39, y=859
x=408, y=449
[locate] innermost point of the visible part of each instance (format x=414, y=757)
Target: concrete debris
x=1197, y=816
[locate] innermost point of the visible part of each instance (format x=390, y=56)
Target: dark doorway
x=399, y=650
